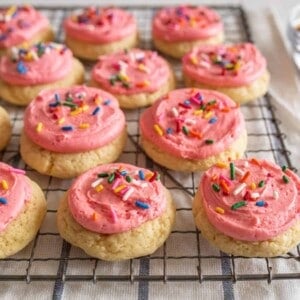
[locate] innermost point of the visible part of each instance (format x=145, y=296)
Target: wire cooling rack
x=185, y=256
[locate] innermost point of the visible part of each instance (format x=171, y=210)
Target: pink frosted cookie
x=22, y=210
x=192, y=129
x=69, y=130
x=249, y=207
x=27, y=71
x=239, y=71
x=22, y=24
x=95, y=31
x=136, y=78
x=176, y=30
x=116, y=211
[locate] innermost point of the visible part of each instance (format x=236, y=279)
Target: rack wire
x=185, y=256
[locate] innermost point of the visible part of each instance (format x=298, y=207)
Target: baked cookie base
x=68, y=165
x=137, y=242
x=141, y=99
x=92, y=51
x=179, y=49
x=23, y=229
x=5, y=128
x=235, y=151
x=279, y=245
x=45, y=35
x=24, y=94
x=241, y=94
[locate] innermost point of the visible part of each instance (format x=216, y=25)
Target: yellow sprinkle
x=11, y=10
x=193, y=23
x=237, y=65
x=219, y=210
x=98, y=100
x=99, y=188
x=120, y=188
x=28, y=57
x=253, y=186
x=143, y=68
x=221, y=165
x=84, y=125
x=4, y=184
x=123, y=77
x=194, y=60
x=39, y=127
x=61, y=121
x=208, y=115
x=25, y=45
x=85, y=107
x=158, y=130
x=75, y=112
x=95, y=216
x=148, y=176
x=198, y=112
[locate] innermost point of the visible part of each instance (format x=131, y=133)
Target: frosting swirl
x=259, y=202
x=116, y=197
x=186, y=23
x=100, y=25
x=15, y=191
x=224, y=65
x=132, y=72
x=192, y=123
x=19, y=24
x=37, y=64
x=75, y=119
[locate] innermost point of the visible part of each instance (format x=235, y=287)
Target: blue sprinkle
x=187, y=102
x=141, y=204
x=21, y=68
x=106, y=102
x=56, y=97
x=67, y=128
x=260, y=203
x=141, y=175
x=96, y=110
x=213, y=120
x=123, y=173
x=3, y=200
x=169, y=130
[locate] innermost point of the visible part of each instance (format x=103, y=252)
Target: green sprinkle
x=212, y=102
x=284, y=168
x=158, y=176
x=238, y=205
x=128, y=178
x=126, y=85
x=112, y=80
x=232, y=171
x=209, y=142
x=285, y=179
x=111, y=178
x=261, y=183
x=216, y=187
x=72, y=105
x=69, y=99
x=185, y=130
x=102, y=175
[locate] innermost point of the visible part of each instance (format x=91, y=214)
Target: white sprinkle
x=34, y=56
x=97, y=182
x=128, y=194
x=135, y=182
x=204, y=64
x=15, y=53
x=276, y=195
x=139, y=55
x=175, y=112
x=255, y=195
x=239, y=189
x=190, y=121
x=246, y=164
x=239, y=171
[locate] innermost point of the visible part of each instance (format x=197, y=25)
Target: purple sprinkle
x=96, y=110
x=106, y=102
x=67, y=128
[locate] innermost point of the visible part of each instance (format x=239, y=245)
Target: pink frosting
x=224, y=65
x=75, y=119
x=185, y=23
x=19, y=24
x=132, y=72
x=103, y=25
x=15, y=191
x=268, y=210
x=193, y=123
x=38, y=64
x=119, y=206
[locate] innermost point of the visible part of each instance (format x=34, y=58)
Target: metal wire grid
x=49, y=258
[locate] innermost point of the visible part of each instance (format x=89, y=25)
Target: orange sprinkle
x=245, y=177
x=75, y=112
x=99, y=188
x=224, y=186
x=4, y=184
x=39, y=127
x=214, y=177
x=194, y=60
x=253, y=186
x=95, y=216
x=158, y=130
x=221, y=165
x=255, y=161
x=142, y=84
x=84, y=125
x=98, y=100
x=148, y=176
x=219, y=210
x=120, y=188
x=195, y=134
x=225, y=109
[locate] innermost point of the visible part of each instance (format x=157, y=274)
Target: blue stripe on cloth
x=227, y=284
